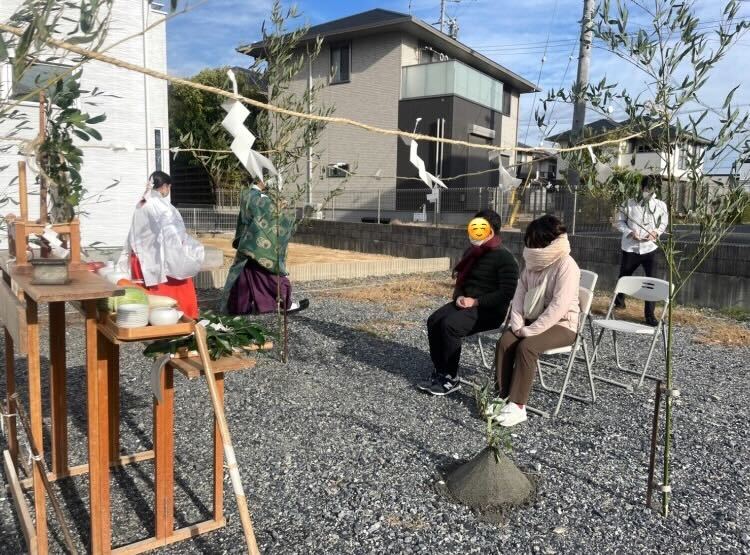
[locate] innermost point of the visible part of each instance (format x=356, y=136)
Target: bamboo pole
x=39, y=460
x=42, y=136
x=221, y=419
x=23, y=200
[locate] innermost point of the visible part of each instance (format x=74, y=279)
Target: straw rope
x=98, y=56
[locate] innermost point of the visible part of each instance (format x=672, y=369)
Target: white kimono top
x=160, y=241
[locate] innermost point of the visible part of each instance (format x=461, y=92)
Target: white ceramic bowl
x=164, y=316
x=132, y=315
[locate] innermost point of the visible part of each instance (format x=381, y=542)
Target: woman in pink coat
x=551, y=277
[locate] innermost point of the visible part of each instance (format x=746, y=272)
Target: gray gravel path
x=340, y=453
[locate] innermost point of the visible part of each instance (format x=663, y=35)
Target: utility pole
x=579, y=109
x=442, y=14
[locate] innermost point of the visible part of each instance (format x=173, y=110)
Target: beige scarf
x=539, y=259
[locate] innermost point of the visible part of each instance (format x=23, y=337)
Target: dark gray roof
x=602, y=126
x=380, y=21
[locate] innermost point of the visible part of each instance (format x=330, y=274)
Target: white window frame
x=6, y=83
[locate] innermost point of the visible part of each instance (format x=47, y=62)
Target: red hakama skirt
x=181, y=290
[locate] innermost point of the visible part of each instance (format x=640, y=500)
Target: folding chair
x=588, y=281
x=585, y=297
x=645, y=289
x=489, y=334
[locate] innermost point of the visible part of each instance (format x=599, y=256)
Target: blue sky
x=511, y=32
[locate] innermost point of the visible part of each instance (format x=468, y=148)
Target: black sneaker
x=426, y=384
x=444, y=385
x=651, y=321
x=298, y=306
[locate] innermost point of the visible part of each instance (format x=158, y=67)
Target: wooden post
x=114, y=402
x=218, y=456
x=98, y=416
x=164, y=455
x=42, y=136
x=23, y=191
x=10, y=388
x=39, y=462
x=37, y=429
x=234, y=471
x=58, y=389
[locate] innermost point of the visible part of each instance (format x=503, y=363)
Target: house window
x=644, y=147
x=157, y=149
x=338, y=170
x=341, y=61
x=32, y=79
x=506, y=101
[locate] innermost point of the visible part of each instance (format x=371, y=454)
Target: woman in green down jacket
x=257, y=282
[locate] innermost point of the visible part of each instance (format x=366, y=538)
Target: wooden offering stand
x=19, y=316
x=19, y=229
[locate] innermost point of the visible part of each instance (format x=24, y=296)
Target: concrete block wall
x=723, y=280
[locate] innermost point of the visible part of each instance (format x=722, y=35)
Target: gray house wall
x=371, y=96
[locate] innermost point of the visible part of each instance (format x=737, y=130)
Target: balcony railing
x=448, y=78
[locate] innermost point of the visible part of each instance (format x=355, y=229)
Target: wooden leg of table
x=218, y=457
x=114, y=402
x=37, y=430
x=10, y=389
x=164, y=455
x=98, y=423
x=58, y=393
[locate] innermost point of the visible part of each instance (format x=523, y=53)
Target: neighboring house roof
x=603, y=126
x=382, y=21
x=535, y=153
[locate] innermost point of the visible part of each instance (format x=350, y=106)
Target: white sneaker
x=511, y=415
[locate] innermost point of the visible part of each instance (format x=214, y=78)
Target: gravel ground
x=340, y=453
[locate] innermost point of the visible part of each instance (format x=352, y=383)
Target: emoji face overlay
x=479, y=229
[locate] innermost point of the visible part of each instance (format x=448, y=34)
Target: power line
x=541, y=67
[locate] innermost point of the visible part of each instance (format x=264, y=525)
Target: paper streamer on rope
x=603, y=171
x=507, y=181
x=430, y=180
x=242, y=145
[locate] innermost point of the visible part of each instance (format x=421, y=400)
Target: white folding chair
x=585, y=298
x=588, y=281
x=492, y=334
x=645, y=289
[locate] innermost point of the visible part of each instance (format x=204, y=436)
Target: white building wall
x=131, y=118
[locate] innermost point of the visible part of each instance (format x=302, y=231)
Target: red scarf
x=471, y=256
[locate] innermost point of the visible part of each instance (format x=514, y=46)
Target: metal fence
x=451, y=208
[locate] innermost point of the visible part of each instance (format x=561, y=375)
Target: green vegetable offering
x=224, y=334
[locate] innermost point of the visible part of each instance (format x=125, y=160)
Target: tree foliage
x=284, y=60
x=195, y=118
x=676, y=55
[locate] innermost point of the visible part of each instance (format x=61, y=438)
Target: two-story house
x=390, y=70
x=638, y=153
x=538, y=167
x=136, y=125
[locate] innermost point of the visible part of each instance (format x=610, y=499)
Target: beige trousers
x=516, y=358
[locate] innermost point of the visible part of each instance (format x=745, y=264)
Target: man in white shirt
x=641, y=222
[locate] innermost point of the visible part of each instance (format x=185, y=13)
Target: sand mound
x=484, y=482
